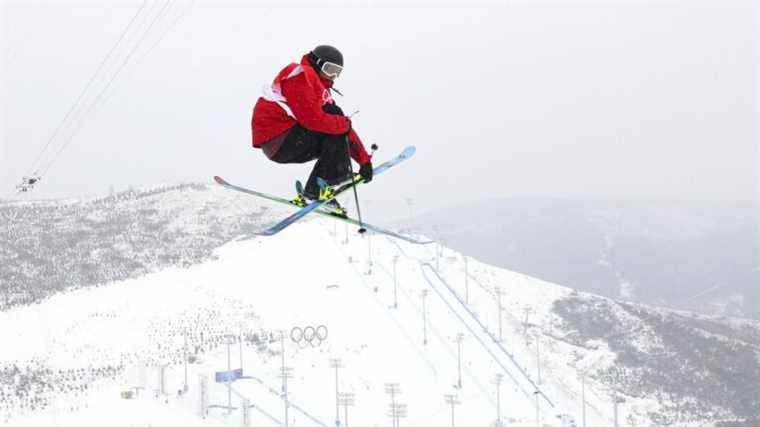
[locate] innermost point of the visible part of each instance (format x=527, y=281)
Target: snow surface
x=314, y=273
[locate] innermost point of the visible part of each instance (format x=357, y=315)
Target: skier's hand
x=365, y=171
x=332, y=109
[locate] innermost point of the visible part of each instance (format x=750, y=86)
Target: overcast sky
x=604, y=99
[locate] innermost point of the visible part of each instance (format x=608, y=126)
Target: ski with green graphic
x=407, y=153
x=318, y=206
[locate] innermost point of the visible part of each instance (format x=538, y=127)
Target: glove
x=365, y=171
x=332, y=109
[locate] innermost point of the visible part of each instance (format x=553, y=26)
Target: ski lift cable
x=94, y=103
x=147, y=53
x=85, y=89
x=141, y=28
x=29, y=182
x=97, y=101
x=180, y=15
x=138, y=28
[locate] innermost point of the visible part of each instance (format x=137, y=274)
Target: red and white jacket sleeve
x=357, y=150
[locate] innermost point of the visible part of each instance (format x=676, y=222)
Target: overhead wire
x=182, y=13
x=138, y=56
x=179, y=16
x=94, y=103
x=139, y=27
x=32, y=170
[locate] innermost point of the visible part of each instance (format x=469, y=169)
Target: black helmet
x=328, y=53
x=325, y=58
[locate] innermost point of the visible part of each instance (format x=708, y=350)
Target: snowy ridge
x=74, y=244
x=80, y=349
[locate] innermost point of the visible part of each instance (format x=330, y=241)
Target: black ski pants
x=301, y=145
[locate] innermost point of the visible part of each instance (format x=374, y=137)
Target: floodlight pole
x=466, y=283
x=538, y=356
x=497, y=381
x=451, y=400
x=285, y=374
x=336, y=364
x=185, y=360
x=346, y=399
x=424, y=317
x=395, y=283
x=460, y=338
x=498, y=298
x=230, y=340
x=396, y=410
x=583, y=397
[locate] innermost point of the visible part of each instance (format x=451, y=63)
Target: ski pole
x=362, y=230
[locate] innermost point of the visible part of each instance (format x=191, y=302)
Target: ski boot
x=325, y=193
x=300, y=200
x=328, y=193
x=335, y=209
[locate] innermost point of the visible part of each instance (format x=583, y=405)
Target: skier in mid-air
x=296, y=120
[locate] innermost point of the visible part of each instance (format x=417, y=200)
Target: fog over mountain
x=696, y=255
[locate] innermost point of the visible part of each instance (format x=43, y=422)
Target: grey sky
x=618, y=99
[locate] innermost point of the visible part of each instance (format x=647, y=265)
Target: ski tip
x=409, y=151
x=219, y=180
x=268, y=232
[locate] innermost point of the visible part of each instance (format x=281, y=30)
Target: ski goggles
x=331, y=69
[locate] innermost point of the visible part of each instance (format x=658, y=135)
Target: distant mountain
x=691, y=364
x=692, y=255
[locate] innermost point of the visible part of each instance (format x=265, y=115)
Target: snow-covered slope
x=67, y=359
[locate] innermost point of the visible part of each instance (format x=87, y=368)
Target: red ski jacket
x=297, y=95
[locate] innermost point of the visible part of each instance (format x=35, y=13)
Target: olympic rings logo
x=309, y=335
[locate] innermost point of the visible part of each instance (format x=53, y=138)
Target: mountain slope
x=58, y=245
x=78, y=349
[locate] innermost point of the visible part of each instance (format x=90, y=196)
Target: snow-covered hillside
x=53, y=246
x=423, y=321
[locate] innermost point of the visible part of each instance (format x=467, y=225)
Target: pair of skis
x=318, y=205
